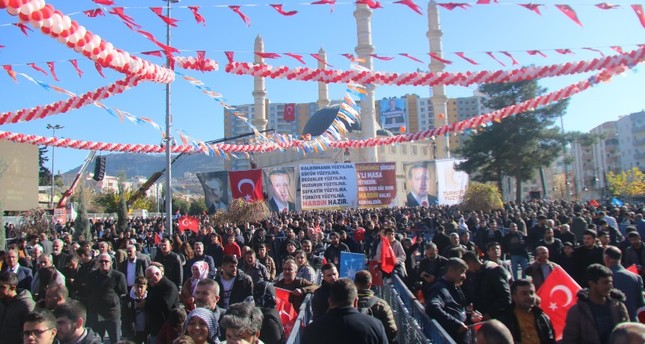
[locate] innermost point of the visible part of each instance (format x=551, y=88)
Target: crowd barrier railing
x=305, y=316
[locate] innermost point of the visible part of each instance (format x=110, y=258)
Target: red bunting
x=452, y=5
x=411, y=5
x=638, y=9
x=52, y=69
x=167, y=49
x=229, y=56
x=606, y=6
x=370, y=3
x=152, y=53
x=617, y=49
x=317, y=57
x=471, y=61
x=411, y=57
x=325, y=2
x=244, y=17
x=558, y=294
x=596, y=50
x=569, y=12
x=535, y=52
x=268, y=55
x=198, y=17
x=75, y=64
x=1, y=46
x=93, y=13
x=490, y=53
x=350, y=57
x=170, y=21
x=564, y=51
x=10, y=71
x=129, y=21
x=104, y=2
x=382, y=58
x=33, y=65
x=99, y=69
x=278, y=7
x=296, y=56
x=436, y=57
x=23, y=28
x=510, y=56
x=533, y=7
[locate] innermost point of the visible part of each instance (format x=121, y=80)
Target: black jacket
x=446, y=304
x=491, y=291
x=139, y=269
x=161, y=299
x=320, y=301
x=106, y=292
x=543, y=325
x=345, y=325
x=272, y=331
x=60, y=261
x=242, y=288
x=172, y=267
x=90, y=338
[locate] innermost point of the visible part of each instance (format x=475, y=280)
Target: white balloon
x=36, y=23
x=57, y=28
x=12, y=11
x=27, y=8
x=67, y=22
x=48, y=22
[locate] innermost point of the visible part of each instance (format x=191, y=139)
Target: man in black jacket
x=489, y=287
x=133, y=266
x=320, y=300
x=234, y=285
x=343, y=323
x=200, y=256
x=59, y=257
x=71, y=324
x=162, y=297
x=524, y=308
x=107, y=286
x=171, y=263
x=585, y=255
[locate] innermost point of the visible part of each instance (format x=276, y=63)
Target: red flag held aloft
x=188, y=222
x=246, y=185
x=558, y=294
x=388, y=260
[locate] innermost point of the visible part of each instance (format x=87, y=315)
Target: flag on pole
x=287, y=313
x=558, y=294
x=388, y=259
x=188, y=222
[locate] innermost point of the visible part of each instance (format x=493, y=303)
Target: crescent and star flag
x=377, y=275
x=290, y=112
x=188, y=222
x=388, y=260
x=287, y=313
x=350, y=264
x=558, y=294
x=246, y=185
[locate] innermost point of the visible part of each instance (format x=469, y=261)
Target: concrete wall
x=19, y=182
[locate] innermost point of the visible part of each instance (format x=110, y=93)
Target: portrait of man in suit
x=215, y=190
x=422, y=185
x=280, y=188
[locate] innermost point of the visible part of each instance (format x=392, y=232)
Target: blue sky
x=396, y=29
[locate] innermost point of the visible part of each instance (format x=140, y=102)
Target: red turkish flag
x=188, y=222
x=633, y=269
x=558, y=294
x=290, y=112
x=388, y=260
x=246, y=185
x=287, y=313
x=157, y=238
x=377, y=275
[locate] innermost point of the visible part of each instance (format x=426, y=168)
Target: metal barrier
x=305, y=316
x=430, y=327
x=409, y=330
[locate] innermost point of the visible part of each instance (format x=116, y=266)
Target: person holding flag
x=598, y=310
x=390, y=254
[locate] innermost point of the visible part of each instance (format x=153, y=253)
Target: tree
x=240, y=211
x=44, y=174
x=630, y=183
x=482, y=197
x=517, y=145
x=197, y=206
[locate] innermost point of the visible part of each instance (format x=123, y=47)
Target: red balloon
x=36, y=15
x=4, y=4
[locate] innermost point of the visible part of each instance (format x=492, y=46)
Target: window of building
x=414, y=150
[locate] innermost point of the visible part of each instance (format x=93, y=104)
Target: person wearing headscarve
x=201, y=325
x=199, y=272
x=272, y=331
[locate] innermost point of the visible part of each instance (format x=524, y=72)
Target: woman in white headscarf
x=202, y=326
x=199, y=272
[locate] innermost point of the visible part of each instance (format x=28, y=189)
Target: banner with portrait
x=452, y=183
x=420, y=184
x=281, y=189
x=393, y=115
x=216, y=190
x=376, y=184
x=328, y=186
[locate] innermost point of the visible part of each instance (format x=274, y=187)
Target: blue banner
x=351, y=263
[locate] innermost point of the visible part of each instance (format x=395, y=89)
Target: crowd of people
x=218, y=284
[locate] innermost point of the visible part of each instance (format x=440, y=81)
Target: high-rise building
x=631, y=140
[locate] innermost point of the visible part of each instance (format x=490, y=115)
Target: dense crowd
x=219, y=283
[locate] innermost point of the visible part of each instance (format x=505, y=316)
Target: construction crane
x=64, y=211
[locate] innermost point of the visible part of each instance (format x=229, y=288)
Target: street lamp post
x=168, y=134
x=53, y=128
